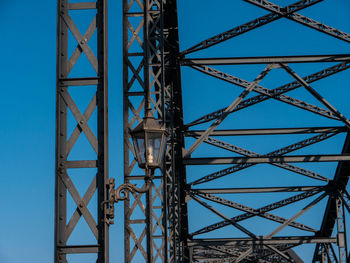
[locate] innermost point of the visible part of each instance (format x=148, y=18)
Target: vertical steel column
x=175, y=170
x=145, y=224
x=341, y=233
x=102, y=104
x=98, y=224
x=61, y=135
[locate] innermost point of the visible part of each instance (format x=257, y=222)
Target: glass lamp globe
x=149, y=138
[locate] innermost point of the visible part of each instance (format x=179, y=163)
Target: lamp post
x=149, y=141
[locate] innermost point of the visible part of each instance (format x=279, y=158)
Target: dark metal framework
x=68, y=112
x=157, y=222
x=152, y=60
x=330, y=237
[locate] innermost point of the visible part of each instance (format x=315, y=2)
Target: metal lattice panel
x=330, y=238
x=72, y=78
x=158, y=223
x=143, y=70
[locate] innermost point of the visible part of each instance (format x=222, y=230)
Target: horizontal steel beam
x=301, y=19
x=244, y=28
x=90, y=81
x=265, y=60
x=261, y=241
x=82, y=6
x=272, y=131
x=258, y=190
x=269, y=159
x=79, y=249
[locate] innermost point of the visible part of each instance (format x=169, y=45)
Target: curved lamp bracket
x=122, y=192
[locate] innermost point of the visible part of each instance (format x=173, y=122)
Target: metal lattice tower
x=68, y=112
x=157, y=223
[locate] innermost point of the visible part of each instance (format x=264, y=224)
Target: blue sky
x=27, y=132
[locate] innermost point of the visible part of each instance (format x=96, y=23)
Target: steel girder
x=175, y=168
x=66, y=142
x=144, y=217
x=156, y=223
x=157, y=55
x=154, y=52
x=330, y=238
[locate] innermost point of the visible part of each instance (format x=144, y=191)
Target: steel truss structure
x=157, y=225
x=71, y=80
x=152, y=60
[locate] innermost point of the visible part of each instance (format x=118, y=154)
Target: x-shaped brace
x=289, y=14
x=82, y=40
x=81, y=204
x=228, y=111
x=82, y=120
x=285, y=224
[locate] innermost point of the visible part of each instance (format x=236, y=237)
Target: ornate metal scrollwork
x=120, y=194
x=123, y=191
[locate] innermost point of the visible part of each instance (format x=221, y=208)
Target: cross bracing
x=208, y=155
x=205, y=138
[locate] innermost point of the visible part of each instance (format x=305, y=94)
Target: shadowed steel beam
x=281, y=151
x=340, y=182
x=229, y=252
x=316, y=94
x=264, y=91
x=283, y=255
x=234, y=223
x=293, y=218
x=302, y=19
x=228, y=110
x=278, y=91
x=253, y=211
x=219, y=254
x=284, y=225
x=276, y=8
x=272, y=131
x=298, y=240
x=266, y=60
x=239, y=30
x=258, y=190
x=81, y=6
x=263, y=209
x=278, y=152
x=270, y=159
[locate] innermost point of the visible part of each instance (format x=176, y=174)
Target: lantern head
x=149, y=138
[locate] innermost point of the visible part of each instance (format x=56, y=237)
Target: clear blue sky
x=27, y=131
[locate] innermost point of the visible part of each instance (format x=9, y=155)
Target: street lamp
x=149, y=141
x=149, y=138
